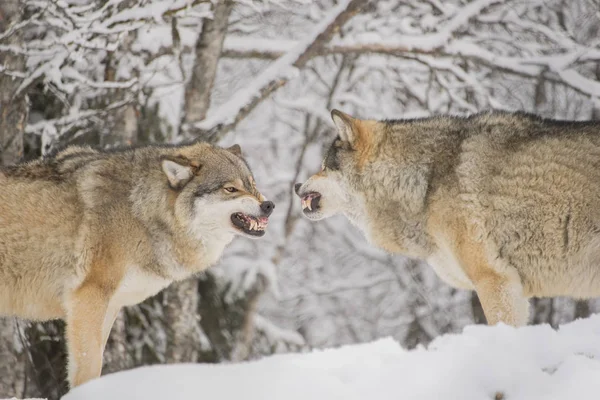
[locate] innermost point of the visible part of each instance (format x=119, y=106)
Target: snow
x=241, y=43
x=422, y=42
x=276, y=333
x=501, y=362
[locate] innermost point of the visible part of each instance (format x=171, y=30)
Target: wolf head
x=215, y=192
x=379, y=174
x=338, y=186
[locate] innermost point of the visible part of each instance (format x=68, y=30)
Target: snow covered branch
x=279, y=72
x=455, y=42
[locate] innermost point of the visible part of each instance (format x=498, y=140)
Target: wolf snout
x=297, y=187
x=267, y=207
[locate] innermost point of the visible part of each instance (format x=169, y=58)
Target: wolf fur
x=506, y=204
x=84, y=233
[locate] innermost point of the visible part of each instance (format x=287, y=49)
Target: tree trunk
x=227, y=320
x=12, y=361
x=208, y=52
x=582, y=309
x=181, y=313
x=125, y=124
x=13, y=109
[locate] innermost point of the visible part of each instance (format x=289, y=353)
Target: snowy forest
x=265, y=74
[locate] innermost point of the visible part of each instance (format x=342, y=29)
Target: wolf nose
x=267, y=207
x=297, y=187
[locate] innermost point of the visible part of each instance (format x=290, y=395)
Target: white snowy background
x=96, y=68
x=499, y=363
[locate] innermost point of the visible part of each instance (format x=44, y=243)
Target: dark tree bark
x=582, y=309
x=181, y=315
x=12, y=361
x=124, y=121
x=542, y=311
x=13, y=108
x=227, y=322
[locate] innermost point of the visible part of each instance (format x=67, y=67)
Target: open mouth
x=310, y=202
x=248, y=224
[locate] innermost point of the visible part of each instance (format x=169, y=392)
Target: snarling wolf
x=506, y=204
x=85, y=232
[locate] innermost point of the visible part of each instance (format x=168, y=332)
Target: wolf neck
x=181, y=256
x=395, y=217
x=213, y=247
x=400, y=235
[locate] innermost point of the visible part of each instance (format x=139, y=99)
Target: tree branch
x=229, y=114
x=529, y=67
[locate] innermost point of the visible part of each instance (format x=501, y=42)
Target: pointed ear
x=235, y=149
x=344, y=124
x=177, y=174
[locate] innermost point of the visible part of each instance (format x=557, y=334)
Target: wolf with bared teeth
x=506, y=204
x=85, y=232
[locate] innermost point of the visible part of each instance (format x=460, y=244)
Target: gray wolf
x=85, y=232
x=506, y=204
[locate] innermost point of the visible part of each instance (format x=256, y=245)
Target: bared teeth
x=307, y=202
x=261, y=223
x=253, y=223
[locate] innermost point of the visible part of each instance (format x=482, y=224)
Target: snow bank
x=501, y=362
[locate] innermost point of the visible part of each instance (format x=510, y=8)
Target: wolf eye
x=231, y=189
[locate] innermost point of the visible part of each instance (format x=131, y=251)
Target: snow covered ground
x=534, y=362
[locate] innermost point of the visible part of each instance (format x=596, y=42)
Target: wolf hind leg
x=502, y=299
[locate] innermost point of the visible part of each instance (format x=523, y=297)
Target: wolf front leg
x=502, y=298
x=86, y=315
x=498, y=286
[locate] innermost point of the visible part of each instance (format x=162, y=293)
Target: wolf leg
x=498, y=285
x=502, y=299
x=86, y=314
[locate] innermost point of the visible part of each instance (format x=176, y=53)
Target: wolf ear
x=343, y=123
x=235, y=149
x=177, y=174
